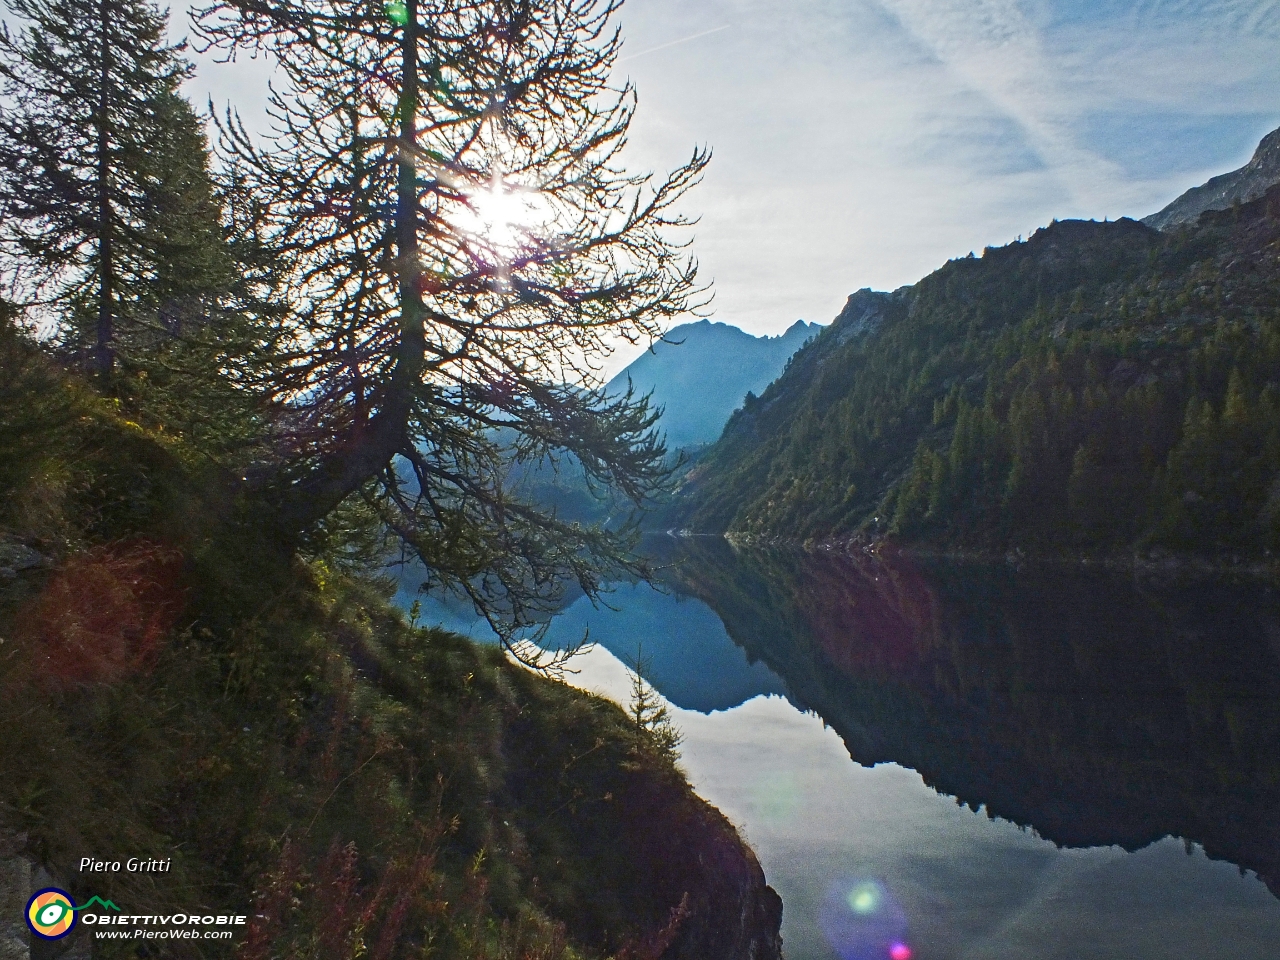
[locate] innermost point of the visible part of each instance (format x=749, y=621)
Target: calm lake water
x=938, y=761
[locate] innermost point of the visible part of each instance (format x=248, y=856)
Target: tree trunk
x=371, y=446
x=104, y=347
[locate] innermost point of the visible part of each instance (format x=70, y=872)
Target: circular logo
x=51, y=913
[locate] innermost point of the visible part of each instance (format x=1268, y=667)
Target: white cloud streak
x=673, y=43
x=864, y=142
x=993, y=49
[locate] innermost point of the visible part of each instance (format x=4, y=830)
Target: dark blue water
x=687, y=654
x=935, y=761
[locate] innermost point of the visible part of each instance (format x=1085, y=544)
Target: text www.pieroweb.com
x=141, y=934
x=179, y=926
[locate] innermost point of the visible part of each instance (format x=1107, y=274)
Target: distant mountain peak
x=700, y=372
x=1239, y=186
x=801, y=326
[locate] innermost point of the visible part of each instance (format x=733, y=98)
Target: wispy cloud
x=992, y=47
x=864, y=142
x=673, y=43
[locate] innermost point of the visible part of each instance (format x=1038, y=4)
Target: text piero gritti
x=132, y=865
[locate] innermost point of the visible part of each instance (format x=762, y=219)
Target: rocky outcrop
x=633, y=861
x=862, y=314
x=1239, y=186
x=15, y=889
x=20, y=877
x=17, y=557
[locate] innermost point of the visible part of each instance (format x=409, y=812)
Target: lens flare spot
x=899, y=951
x=862, y=920
x=104, y=614
x=864, y=898
x=397, y=12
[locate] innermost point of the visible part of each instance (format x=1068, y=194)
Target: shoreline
x=1155, y=561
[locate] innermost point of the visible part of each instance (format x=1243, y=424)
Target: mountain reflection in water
x=687, y=654
x=1096, y=709
x=1072, y=715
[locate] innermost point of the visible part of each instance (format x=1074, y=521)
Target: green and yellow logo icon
x=50, y=913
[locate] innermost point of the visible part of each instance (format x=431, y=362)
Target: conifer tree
x=462, y=243
x=180, y=221
x=648, y=710
x=106, y=212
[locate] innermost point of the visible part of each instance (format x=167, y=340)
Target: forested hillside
x=1099, y=385
x=175, y=685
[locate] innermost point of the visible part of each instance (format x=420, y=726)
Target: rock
x=15, y=891
x=20, y=877
x=862, y=314
x=1239, y=186
x=16, y=557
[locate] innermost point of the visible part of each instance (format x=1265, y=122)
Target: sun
x=504, y=218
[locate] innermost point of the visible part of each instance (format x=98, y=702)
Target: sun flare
x=504, y=218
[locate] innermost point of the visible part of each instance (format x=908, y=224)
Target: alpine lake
x=953, y=761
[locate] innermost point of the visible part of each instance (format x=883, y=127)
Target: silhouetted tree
x=444, y=184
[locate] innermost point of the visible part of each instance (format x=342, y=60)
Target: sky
x=863, y=143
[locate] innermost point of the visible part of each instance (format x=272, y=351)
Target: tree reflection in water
x=1093, y=707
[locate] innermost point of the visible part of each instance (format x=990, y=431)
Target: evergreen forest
x=1098, y=387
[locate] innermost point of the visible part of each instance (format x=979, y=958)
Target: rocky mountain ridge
x=1239, y=186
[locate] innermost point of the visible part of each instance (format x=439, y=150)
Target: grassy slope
x=171, y=685
x=1099, y=386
